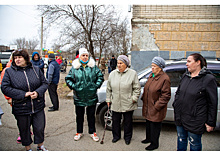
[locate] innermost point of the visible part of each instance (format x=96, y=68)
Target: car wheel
x=105, y=116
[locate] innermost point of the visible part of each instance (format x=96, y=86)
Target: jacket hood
x=76, y=63
x=34, y=54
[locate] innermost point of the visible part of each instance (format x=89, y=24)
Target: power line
x=23, y=12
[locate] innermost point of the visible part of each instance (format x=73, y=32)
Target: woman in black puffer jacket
x=195, y=104
x=26, y=85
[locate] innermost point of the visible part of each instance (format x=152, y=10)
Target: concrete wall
x=142, y=59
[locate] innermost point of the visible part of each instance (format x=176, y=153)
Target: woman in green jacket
x=123, y=90
x=84, y=79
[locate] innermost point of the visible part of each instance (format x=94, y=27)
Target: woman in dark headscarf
x=155, y=97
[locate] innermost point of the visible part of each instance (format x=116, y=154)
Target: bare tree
x=20, y=42
x=105, y=29
x=29, y=45
x=123, y=44
x=73, y=15
x=96, y=27
x=85, y=25
x=32, y=44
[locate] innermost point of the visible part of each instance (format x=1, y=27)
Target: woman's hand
x=10, y=102
x=33, y=95
x=28, y=94
x=209, y=128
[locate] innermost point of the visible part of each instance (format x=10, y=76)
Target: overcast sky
x=18, y=21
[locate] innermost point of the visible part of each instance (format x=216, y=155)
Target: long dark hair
x=199, y=57
x=22, y=53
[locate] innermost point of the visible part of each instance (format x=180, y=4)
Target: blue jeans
x=182, y=140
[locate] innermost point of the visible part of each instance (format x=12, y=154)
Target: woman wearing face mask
x=155, y=97
x=195, y=104
x=123, y=90
x=84, y=79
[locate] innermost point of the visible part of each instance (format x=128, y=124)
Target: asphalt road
x=61, y=127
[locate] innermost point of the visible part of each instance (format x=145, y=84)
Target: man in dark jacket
x=53, y=76
x=113, y=63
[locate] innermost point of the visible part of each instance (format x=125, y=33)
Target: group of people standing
x=195, y=104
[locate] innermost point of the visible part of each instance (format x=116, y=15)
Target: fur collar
x=76, y=64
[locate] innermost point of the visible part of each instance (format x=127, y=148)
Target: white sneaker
x=78, y=136
x=42, y=148
x=94, y=137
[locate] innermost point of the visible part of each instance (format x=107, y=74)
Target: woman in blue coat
x=26, y=85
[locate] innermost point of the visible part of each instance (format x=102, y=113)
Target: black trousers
x=90, y=112
x=116, y=125
x=52, y=89
x=24, y=122
x=153, y=132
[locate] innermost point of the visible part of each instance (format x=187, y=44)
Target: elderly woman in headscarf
x=155, y=97
x=123, y=90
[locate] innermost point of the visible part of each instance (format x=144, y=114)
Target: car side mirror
x=143, y=82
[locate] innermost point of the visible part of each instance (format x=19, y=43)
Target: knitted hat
x=51, y=56
x=124, y=59
x=83, y=51
x=159, y=61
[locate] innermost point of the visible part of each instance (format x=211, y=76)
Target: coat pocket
x=21, y=106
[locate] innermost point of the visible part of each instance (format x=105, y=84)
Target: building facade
x=185, y=28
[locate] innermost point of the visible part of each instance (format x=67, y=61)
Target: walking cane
x=102, y=142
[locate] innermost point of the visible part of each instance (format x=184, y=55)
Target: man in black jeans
x=53, y=76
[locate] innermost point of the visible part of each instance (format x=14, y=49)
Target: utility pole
x=41, y=42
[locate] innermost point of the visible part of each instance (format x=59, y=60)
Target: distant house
x=4, y=48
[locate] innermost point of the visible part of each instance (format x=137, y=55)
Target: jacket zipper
x=84, y=71
x=120, y=89
x=32, y=105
